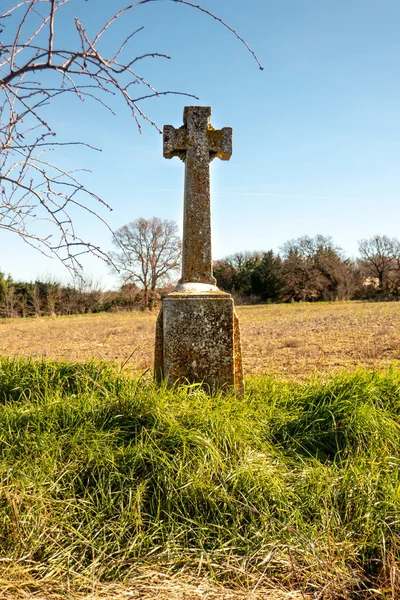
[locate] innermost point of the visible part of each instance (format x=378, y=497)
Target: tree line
x=306, y=269
x=148, y=253
x=50, y=297
x=312, y=269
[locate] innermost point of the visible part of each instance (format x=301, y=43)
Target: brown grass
x=290, y=340
x=148, y=585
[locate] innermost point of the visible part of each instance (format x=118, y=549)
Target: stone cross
x=197, y=332
x=197, y=143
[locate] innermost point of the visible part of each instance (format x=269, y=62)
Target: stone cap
x=195, y=289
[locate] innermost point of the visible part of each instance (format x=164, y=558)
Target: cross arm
x=175, y=142
x=220, y=143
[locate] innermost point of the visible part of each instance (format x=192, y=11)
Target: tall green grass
x=296, y=483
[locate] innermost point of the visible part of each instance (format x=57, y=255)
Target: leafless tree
x=34, y=70
x=380, y=259
x=149, y=252
x=314, y=268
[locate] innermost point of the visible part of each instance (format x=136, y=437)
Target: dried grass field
x=289, y=340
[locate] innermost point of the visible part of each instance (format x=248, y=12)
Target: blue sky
x=316, y=134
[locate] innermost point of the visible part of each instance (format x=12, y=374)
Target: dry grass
x=293, y=341
x=148, y=585
x=298, y=340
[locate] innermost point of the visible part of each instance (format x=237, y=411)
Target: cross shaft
x=197, y=143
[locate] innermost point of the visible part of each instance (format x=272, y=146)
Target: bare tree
x=380, y=259
x=299, y=268
x=34, y=70
x=314, y=268
x=149, y=252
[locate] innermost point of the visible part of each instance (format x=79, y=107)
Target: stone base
x=198, y=341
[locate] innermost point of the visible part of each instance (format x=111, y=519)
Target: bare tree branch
x=34, y=71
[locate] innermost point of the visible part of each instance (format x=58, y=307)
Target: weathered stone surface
x=198, y=341
x=197, y=143
x=237, y=353
x=197, y=334
x=158, y=349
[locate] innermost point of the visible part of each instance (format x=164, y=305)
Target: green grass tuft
x=298, y=483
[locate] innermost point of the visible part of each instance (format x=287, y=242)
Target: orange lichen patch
x=220, y=143
x=237, y=354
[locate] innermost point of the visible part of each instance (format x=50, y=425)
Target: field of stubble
x=292, y=341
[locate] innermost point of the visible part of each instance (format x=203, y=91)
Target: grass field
x=291, y=341
x=107, y=479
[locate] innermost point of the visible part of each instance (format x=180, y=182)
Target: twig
x=32, y=188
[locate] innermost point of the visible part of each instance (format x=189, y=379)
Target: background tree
x=267, y=277
x=256, y=274
x=315, y=269
x=299, y=268
x=233, y=273
x=225, y=273
x=36, y=67
x=149, y=252
x=380, y=260
x=7, y=295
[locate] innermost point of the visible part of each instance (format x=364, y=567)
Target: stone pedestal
x=198, y=339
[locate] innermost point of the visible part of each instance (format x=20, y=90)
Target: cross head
x=197, y=143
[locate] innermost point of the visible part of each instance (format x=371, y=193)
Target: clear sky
x=316, y=134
